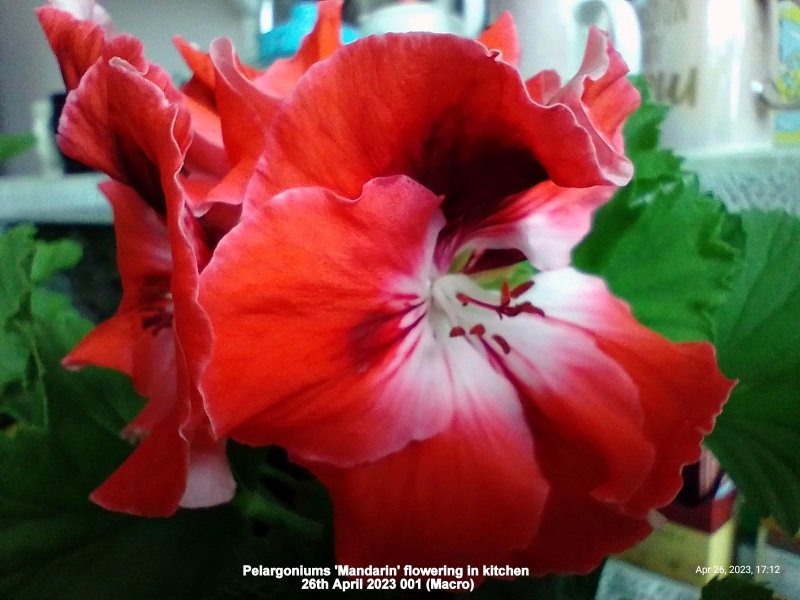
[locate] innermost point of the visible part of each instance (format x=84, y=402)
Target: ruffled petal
x=112, y=121
x=322, y=41
x=502, y=35
x=600, y=96
x=206, y=155
x=614, y=409
x=151, y=482
x=209, y=479
x=467, y=496
x=245, y=112
x=680, y=392
x=347, y=371
x=544, y=223
x=131, y=112
x=577, y=532
x=567, y=384
x=76, y=43
x=681, y=389
x=460, y=122
x=243, y=115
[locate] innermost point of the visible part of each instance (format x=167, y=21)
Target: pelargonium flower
x=453, y=422
x=179, y=160
x=174, y=192
x=124, y=117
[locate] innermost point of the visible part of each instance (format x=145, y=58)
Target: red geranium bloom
x=123, y=117
x=169, y=153
x=536, y=424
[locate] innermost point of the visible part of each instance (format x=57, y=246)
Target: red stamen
x=521, y=289
x=505, y=294
x=457, y=331
x=478, y=329
x=502, y=343
x=525, y=307
x=504, y=309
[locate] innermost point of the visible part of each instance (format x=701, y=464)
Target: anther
x=478, y=329
x=505, y=309
x=457, y=331
x=521, y=289
x=502, y=343
x=525, y=307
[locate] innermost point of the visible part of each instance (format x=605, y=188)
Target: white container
x=713, y=62
x=439, y=16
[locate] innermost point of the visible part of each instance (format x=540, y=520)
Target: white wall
x=28, y=70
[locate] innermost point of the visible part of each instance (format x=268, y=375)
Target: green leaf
x=13, y=144
x=52, y=257
x=758, y=433
x=15, y=351
x=16, y=252
x=23, y=397
x=735, y=588
x=642, y=134
x=668, y=250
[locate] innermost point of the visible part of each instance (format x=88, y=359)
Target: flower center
x=157, y=313
x=461, y=308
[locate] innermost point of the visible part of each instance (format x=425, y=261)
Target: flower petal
x=145, y=265
x=206, y=155
x=143, y=252
x=458, y=121
x=323, y=40
x=245, y=111
x=108, y=345
x=577, y=531
x=545, y=223
x=347, y=370
x=209, y=481
x=243, y=116
x=614, y=409
x=681, y=389
x=502, y=35
x=467, y=496
x=600, y=96
x=567, y=385
x=76, y=43
x=160, y=263
x=151, y=482
x=200, y=64
x=112, y=121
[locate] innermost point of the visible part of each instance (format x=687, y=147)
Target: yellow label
x=686, y=554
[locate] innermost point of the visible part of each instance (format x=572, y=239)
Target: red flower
x=536, y=424
x=179, y=162
x=124, y=118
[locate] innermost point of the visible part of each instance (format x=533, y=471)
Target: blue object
x=284, y=40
